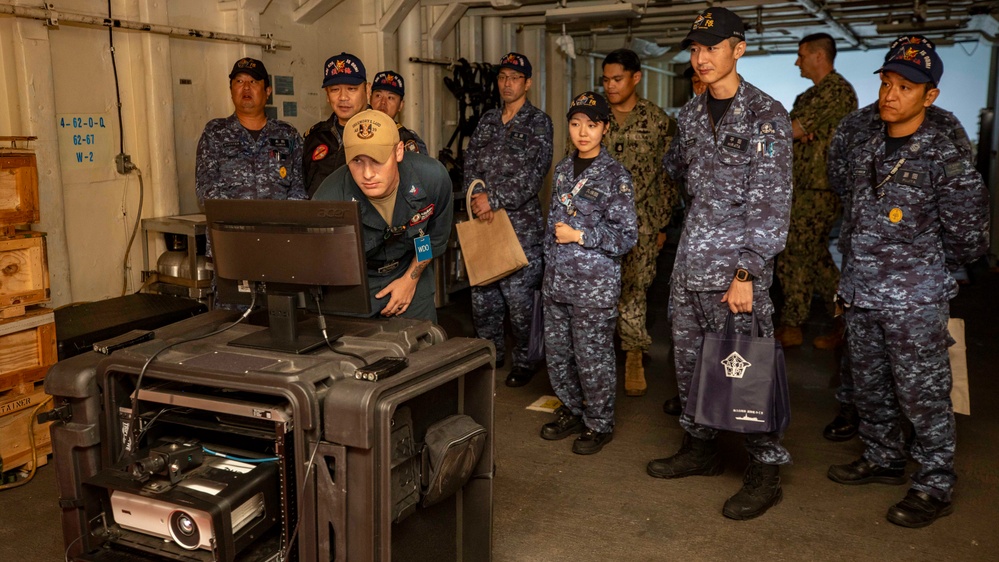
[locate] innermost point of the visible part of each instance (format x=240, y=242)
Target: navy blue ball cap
x=253, y=67
x=591, y=104
x=714, y=25
x=518, y=62
x=916, y=62
x=390, y=82
x=344, y=68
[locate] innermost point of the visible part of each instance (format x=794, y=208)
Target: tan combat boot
x=634, y=374
x=834, y=338
x=789, y=336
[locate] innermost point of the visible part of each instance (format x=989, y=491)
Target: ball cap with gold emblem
x=253, y=67
x=591, y=104
x=714, y=25
x=370, y=133
x=916, y=59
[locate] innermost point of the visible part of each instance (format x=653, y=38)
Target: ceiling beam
x=310, y=11
x=820, y=12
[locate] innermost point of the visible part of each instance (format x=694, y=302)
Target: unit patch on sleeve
x=320, y=152
x=954, y=169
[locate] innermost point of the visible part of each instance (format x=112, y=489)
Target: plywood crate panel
x=18, y=187
x=24, y=272
x=16, y=420
x=28, y=347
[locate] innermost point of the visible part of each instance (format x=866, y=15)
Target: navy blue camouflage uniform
x=855, y=129
x=422, y=206
x=230, y=164
x=512, y=159
x=582, y=285
x=738, y=179
x=907, y=233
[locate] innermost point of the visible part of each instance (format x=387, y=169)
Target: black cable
x=322, y=328
x=68, y=548
x=117, y=88
x=148, y=426
x=142, y=373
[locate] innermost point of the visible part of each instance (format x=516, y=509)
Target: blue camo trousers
x=579, y=348
x=901, y=368
x=692, y=314
x=516, y=294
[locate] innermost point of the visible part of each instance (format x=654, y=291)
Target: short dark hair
x=626, y=58
x=823, y=42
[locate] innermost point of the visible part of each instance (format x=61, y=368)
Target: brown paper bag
x=491, y=250
x=960, y=394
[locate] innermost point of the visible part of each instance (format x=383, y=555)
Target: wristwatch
x=581, y=241
x=743, y=275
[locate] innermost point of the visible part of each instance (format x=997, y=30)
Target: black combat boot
x=695, y=457
x=844, y=426
x=760, y=491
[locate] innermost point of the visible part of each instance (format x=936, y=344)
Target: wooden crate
x=28, y=347
x=24, y=272
x=15, y=420
x=18, y=187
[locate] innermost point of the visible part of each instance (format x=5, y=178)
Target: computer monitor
x=296, y=252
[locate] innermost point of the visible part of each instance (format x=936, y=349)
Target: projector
x=214, y=504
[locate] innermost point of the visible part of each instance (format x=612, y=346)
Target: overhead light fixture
x=619, y=10
x=917, y=27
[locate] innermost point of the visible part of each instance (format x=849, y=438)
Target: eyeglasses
x=510, y=77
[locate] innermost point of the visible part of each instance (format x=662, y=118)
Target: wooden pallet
x=24, y=273
x=28, y=347
x=17, y=418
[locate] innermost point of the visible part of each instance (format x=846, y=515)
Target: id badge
x=423, y=249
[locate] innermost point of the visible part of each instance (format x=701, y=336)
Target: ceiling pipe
x=820, y=12
x=53, y=19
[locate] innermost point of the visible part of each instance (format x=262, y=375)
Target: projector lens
x=184, y=530
x=185, y=525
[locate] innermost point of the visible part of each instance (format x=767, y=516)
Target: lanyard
x=566, y=198
x=894, y=170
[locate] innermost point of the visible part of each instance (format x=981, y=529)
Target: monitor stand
x=284, y=332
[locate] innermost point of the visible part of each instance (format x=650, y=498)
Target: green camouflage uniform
x=639, y=145
x=806, y=266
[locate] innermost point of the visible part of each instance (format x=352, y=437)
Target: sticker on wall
x=84, y=140
x=290, y=109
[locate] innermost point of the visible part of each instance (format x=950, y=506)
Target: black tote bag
x=536, y=348
x=740, y=383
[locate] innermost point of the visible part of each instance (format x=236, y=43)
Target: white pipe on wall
x=493, y=46
x=160, y=171
x=410, y=38
x=33, y=61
